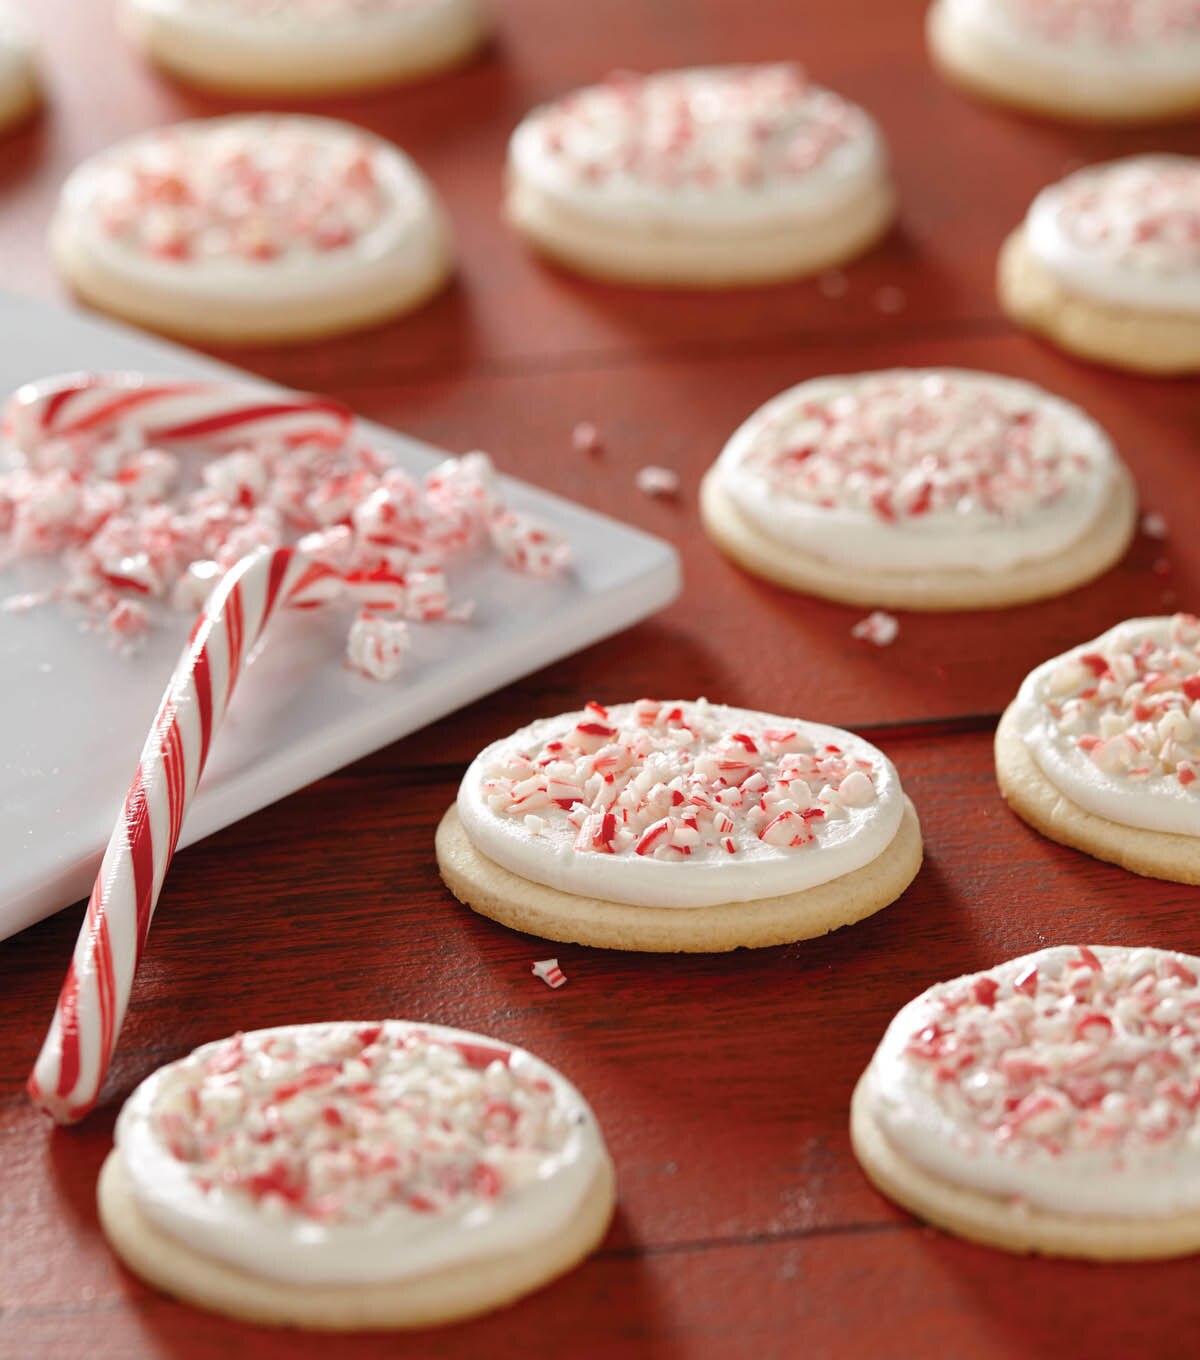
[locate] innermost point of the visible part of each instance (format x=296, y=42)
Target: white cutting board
x=73, y=714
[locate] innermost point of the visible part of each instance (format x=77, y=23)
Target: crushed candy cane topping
x=1141, y=214
x=668, y=781
x=344, y=1123
x=257, y=190
x=1108, y=23
x=904, y=445
x=131, y=520
x=1131, y=702
x=1066, y=1050
x=700, y=131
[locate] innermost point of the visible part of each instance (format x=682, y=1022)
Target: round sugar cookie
x=679, y=827
x=20, y=88
x=921, y=489
x=304, y=47
x=267, y=228
x=1091, y=61
x=354, y=1175
x=1045, y=1105
x=1107, y=264
x=1100, y=750
x=705, y=178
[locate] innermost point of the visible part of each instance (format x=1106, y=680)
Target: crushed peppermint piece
x=907, y=445
x=585, y=438
x=1130, y=702
x=878, y=628
x=698, y=132
x=833, y=283
x=132, y=518
x=1141, y=214
x=347, y=1123
x=259, y=190
x=549, y=972
x=670, y=781
x=1107, y=24
x=1154, y=525
x=377, y=646
x=1070, y=1053
x=657, y=481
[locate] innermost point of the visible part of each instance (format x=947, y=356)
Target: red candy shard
x=1026, y=980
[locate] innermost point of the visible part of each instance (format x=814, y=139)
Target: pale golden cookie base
x=425, y=1301
x=698, y=258
x=277, y=321
x=1158, y=343
x=181, y=57
x=521, y=904
x=975, y=69
x=1101, y=548
x=1153, y=854
x=1003, y=1223
x=19, y=102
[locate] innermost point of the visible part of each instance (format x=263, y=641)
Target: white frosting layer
x=680, y=804
x=249, y=196
x=308, y=1156
x=284, y=26
x=706, y=149
x=1127, y=232
x=1114, y=724
x=1093, y=42
x=913, y=469
x=1065, y=1079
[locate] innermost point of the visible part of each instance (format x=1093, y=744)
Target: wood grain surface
x=745, y=1228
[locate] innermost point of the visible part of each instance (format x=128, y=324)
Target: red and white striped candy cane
x=218, y=413
x=71, y=1067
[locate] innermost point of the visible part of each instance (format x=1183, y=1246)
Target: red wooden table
x=745, y=1228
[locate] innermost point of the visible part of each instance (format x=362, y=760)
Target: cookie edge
x=1032, y=797
x=431, y=1300
x=535, y=909
x=1101, y=548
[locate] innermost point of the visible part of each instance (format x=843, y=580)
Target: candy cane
x=71, y=1067
x=220, y=414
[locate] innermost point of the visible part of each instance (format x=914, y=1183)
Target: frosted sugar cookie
x=304, y=47
x=350, y=1175
x=1047, y=1105
x=1100, y=750
x=709, y=177
x=1107, y=264
x=254, y=229
x=921, y=489
x=679, y=827
x=19, y=86
x=1104, y=61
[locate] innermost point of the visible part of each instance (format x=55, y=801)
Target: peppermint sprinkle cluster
x=340, y=1124
x=1067, y=1050
x=670, y=780
x=258, y=191
x=1142, y=214
x=1133, y=708
x=900, y=446
x=1110, y=23
x=721, y=128
x=120, y=518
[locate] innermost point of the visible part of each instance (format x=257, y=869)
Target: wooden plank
x=722, y=1083
x=737, y=639
x=965, y=172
